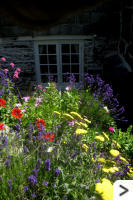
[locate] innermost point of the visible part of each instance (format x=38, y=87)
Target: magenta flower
x=6, y=70
x=15, y=74
x=3, y=59
x=44, y=90
x=18, y=70
x=68, y=88
x=111, y=129
x=12, y=65
x=40, y=87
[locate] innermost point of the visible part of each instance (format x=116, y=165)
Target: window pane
x=75, y=69
x=52, y=78
x=65, y=48
x=52, y=59
x=53, y=69
x=65, y=58
x=65, y=77
x=51, y=49
x=44, y=69
x=74, y=48
x=65, y=68
x=42, y=49
x=44, y=78
x=43, y=60
x=76, y=77
x=75, y=58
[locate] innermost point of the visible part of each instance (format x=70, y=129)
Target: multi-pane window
x=58, y=59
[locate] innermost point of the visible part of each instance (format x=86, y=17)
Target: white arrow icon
x=123, y=190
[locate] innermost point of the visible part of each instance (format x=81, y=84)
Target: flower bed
x=59, y=145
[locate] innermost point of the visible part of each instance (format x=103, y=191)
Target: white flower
x=50, y=149
x=106, y=109
x=18, y=104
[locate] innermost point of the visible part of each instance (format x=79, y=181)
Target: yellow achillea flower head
x=117, y=144
x=85, y=147
x=83, y=124
x=114, y=152
x=105, y=189
x=99, y=137
x=80, y=131
x=86, y=120
x=67, y=116
x=77, y=123
x=93, y=160
x=75, y=114
x=101, y=160
x=106, y=136
x=111, y=169
x=123, y=159
x=56, y=112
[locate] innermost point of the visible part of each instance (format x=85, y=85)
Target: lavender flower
x=32, y=179
x=33, y=195
x=56, y=172
x=35, y=171
x=38, y=163
x=45, y=183
x=7, y=163
x=47, y=164
x=25, y=149
x=26, y=188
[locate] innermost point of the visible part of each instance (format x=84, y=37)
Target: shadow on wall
x=120, y=75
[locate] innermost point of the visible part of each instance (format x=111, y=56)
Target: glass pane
x=52, y=59
x=75, y=69
x=53, y=69
x=74, y=48
x=51, y=49
x=76, y=77
x=75, y=58
x=65, y=78
x=65, y=68
x=65, y=48
x=43, y=60
x=44, y=78
x=52, y=78
x=65, y=58
x=44, y=69
x=42, y=49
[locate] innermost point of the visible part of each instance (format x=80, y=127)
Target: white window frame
x=60, y=83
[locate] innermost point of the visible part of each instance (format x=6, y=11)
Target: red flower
x=2, y=102
x=40, y=123
x=49, y=136
x=16, y=113
x=2, y=126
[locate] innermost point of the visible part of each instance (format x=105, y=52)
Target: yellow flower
x=117, y=144
x=80, y=131
x=111, y=169
x=86, y=120
x=64, y=142
x=101, y=160
x=114, y=152
x=99, y=137
x=123, y=159
x=75, y=114
x=65, y=115
x=106, y=136
x=77, y=123
x=56, y=112
x=93, y=160
x=83, y=124
x=85, y=147
x=105, y=189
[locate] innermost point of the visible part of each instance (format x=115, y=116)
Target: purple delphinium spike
x=45, y=183
x=35, y=171
x=38, y=163
x=25, y=149
x=7, y=163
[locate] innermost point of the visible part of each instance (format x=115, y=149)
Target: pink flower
x=111, y=129
x=12, y=65
x=26, y=98
x=3, y=59
x=18, y=70
x=15, y=74
x=6, y=70
x=24, y=110
x=44, y=90
x=68, y=88
x=40, y=87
